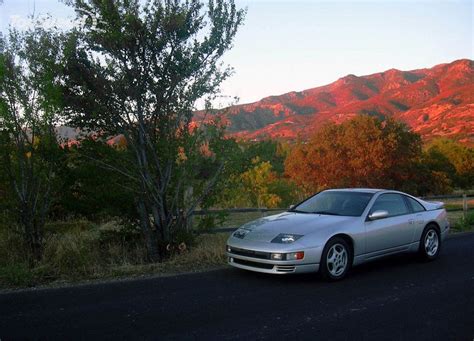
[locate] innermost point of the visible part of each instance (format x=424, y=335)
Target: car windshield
x=342, y=203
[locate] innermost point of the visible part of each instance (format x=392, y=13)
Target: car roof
x=364, y=190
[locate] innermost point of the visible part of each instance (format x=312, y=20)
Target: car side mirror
x=292, y=207
x=378, y=215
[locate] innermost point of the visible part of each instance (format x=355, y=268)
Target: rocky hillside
x=435, y=102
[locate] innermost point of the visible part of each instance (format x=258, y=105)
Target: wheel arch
x=348, y=239
x=434, y=223
x=422, y=248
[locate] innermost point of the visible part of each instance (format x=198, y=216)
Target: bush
x=465, y=223
x=209, y=250
x=88, y=250
x=121, y=243
x=16, y=274
x=12, y=248
x=210, y=221
x=119, y=233
x=69, y=226
x=77, y=250
x=89, y=190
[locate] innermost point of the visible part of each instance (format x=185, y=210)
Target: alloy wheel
x=336, y=259
x=431, y=243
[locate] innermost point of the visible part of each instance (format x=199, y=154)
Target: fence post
x=464, y=205
x=263, y=211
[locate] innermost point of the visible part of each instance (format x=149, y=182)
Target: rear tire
x=336, y=259
x=430, y=243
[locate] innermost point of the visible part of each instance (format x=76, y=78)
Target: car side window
x=393, y=203
x=415, y=205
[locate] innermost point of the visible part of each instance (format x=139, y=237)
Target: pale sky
x=288, y=45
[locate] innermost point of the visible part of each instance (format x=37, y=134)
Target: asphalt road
x=397, y=298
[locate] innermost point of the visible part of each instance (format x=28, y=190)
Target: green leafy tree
x=257, y=182
x=267, y=150
x=137, y=70
x=453, y=159
x=30, y=65
x=90, y=188
x=255, y=177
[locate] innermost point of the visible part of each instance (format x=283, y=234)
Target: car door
x=416, y=218
x=394, y=231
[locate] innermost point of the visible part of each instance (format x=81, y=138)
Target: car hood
x=265, y=229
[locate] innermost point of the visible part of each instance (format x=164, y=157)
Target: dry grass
x=77, y=251
x=457, y=204
x=208, y=253
x=457, y=216
x=80, y=250
x=464, y=222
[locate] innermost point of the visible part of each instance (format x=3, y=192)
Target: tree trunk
x=31, y=232
x=150, y=235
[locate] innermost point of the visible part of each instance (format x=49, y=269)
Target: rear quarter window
x=415, y=205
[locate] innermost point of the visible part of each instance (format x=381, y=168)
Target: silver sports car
x=336, y=229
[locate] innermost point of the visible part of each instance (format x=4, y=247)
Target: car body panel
x=370, y=239
x=387, y=233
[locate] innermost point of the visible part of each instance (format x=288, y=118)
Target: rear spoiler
x=432, y=205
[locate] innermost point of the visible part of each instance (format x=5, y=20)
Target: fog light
x=295, y=255
x=277, y=256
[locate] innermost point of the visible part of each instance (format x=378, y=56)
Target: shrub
x=77, y=250
x=465, y=223
x=210, y=221
x=16, y=274
x=119, y=233
x=12, y=248
x=121, y=243
x=209, y=250
x=69, y=226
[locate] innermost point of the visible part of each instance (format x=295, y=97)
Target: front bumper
x=256, y=256
x=260, y=261
x=269, y=267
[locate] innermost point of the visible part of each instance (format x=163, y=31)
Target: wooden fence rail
x=263, y=210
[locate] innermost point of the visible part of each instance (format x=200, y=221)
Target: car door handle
x=411, y=221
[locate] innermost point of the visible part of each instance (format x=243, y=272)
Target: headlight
x=278, y=256
x=288, y=256
x=285, y=238
x=295, y=255
x=240, y=233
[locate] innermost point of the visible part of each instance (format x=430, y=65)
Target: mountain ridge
x=435, y=102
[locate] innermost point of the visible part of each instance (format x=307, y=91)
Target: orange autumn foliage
x=362, y=152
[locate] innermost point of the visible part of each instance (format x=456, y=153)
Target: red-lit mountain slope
x=435, y=102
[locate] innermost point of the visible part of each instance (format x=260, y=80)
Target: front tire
x=336, y=259
x=430, y=243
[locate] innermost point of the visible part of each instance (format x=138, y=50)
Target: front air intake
x=285, y=268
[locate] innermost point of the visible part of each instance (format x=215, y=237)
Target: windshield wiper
x=326, y=213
